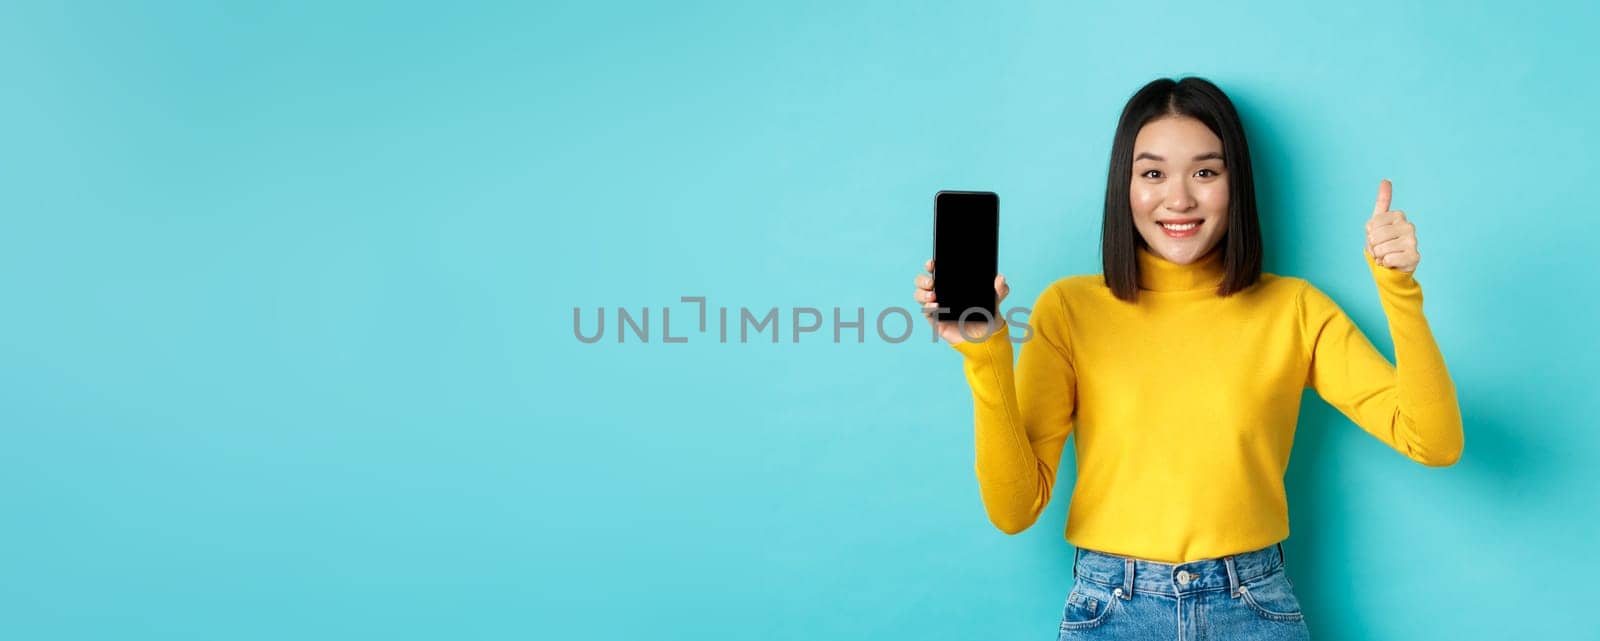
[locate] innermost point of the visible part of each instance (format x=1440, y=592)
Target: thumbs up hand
x=1391, y=239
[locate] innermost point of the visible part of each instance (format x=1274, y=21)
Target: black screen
x=966, y=233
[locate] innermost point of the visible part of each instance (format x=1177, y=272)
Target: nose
x=1178, y=198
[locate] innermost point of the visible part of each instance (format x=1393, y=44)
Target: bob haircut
x=1119, y=241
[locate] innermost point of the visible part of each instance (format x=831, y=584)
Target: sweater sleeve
x=1023, y=415
x=1412, y=407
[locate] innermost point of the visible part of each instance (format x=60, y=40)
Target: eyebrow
x=1205, y=156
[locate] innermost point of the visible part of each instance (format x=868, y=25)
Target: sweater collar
x=1159, y=274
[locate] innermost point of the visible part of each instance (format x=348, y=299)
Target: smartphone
x=966, y=239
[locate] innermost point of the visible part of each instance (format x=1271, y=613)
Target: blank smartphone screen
x=966, y=236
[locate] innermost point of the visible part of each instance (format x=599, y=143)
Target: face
x=1179, y=190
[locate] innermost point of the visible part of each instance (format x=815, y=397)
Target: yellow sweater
x=1184, y=404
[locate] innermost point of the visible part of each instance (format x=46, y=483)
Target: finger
x=1385, y=218
x=1001, y=289
x=924, y=281
x=1385, y=194
x=1398, y=245
x=928, y=266
x=1379, y=257
x=1385, y=233
x=1403, y=261
x=1372, y=246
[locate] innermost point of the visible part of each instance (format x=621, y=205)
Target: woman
x=1180, y=370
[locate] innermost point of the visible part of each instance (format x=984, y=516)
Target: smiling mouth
x=1180, y=227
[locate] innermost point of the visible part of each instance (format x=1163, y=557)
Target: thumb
x=1385, y=193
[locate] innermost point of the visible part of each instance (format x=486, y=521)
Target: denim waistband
x=1176, y=578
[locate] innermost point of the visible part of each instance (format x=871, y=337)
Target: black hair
x=1119, y=241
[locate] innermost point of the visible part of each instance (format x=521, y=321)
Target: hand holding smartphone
x=964, y=287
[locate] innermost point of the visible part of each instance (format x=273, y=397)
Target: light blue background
x=286, y=349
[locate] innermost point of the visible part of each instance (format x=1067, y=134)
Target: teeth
x=1183, y=227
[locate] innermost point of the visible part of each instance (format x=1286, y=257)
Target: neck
x=1162, y=275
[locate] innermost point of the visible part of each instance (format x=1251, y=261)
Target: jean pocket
x=1271, y=597
x=1088, y=605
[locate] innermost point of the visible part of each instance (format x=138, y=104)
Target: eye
x=1147, y=173
x=1206, y=171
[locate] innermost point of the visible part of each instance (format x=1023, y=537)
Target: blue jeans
x=1245, y=596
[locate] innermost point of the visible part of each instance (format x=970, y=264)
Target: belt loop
x=1075, y=552
x=1233, y=577
x=1280, y=553
x=1127, y=578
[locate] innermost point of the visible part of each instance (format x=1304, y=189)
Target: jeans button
x=1184, y=577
